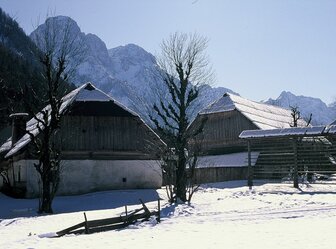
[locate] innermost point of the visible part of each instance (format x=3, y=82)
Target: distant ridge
x=322, y=114
x=125, y=72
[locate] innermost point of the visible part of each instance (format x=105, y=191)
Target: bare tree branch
x=57, y=45
x=184, y=68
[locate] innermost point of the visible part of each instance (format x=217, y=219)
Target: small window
x=124, y=179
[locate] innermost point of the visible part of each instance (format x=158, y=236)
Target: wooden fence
x=94, y=226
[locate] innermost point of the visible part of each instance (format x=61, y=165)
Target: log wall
x=214, y=174
x=104, y=133
x=221, y=131
x=220, y=174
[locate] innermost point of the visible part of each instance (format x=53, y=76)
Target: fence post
x=159, y=212
x=295, y=171
x=86, y=224
x=249, y=168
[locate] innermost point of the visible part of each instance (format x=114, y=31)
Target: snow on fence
x=293, y=153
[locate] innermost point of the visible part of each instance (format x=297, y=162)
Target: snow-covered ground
x=222, y=215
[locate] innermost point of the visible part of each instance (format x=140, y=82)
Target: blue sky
x=257, y=48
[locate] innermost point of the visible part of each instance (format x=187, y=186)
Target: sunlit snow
x=223, y=215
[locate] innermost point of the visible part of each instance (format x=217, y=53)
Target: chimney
x=18, y=126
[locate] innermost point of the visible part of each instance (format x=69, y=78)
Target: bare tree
x=195, y=145
x=58, y=47
x=184, y=67
x=296, y=116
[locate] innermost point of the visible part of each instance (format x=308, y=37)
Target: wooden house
x=104, y=146
x=227, y=117
x=223, y=153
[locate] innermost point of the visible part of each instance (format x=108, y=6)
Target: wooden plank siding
x=221, y=131
x=214, y=174
x=220, y=174
x=97, y=133
x=106, y=135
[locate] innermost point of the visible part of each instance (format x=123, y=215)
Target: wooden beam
x=87, y=231
x=158, y=219
x=70, y=229
x=249, y=169
x=295, y=168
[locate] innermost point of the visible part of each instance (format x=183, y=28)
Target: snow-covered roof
x=264, y=116
x=228, y=160
x=333, y=123
x=6, y=146
x=295, y=131
x=84, y=93
x=332, y=129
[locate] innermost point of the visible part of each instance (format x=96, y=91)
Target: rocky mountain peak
x=321, y=113
x=131, y=55
x=126, y=73
x=58, y=24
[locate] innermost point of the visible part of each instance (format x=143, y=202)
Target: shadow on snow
x=12, y=208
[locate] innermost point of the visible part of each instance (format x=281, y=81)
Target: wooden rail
x=100, y=225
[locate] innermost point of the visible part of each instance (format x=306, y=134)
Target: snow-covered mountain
x=127, y=72
x=321, y=113
x=332, y=106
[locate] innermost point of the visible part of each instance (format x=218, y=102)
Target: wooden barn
x=104, y=146
x=219, y=141
x=226, y=118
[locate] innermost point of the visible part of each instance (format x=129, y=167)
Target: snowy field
x=223, y=215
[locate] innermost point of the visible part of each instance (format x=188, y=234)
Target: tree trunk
x=181, y=179
x=46, y=200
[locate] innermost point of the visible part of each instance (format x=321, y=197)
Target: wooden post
x=249, y=168
x=126, y=210
x=295, y=170
x=159, y=212
x=86, y=224
x=144, y=207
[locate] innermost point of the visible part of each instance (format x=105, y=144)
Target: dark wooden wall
x=104, y=133
x=213, y=174
x=221, y=132
x=220, y=174
x=100, y=133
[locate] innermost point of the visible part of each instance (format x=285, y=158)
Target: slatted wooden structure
x=292, y=153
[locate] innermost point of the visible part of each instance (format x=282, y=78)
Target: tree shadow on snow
x=12, y=208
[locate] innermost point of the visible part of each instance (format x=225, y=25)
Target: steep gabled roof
x=264, y=116
x=85, y=93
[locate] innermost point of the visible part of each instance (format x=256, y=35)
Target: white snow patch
x=314, y=130
x=222, y=215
